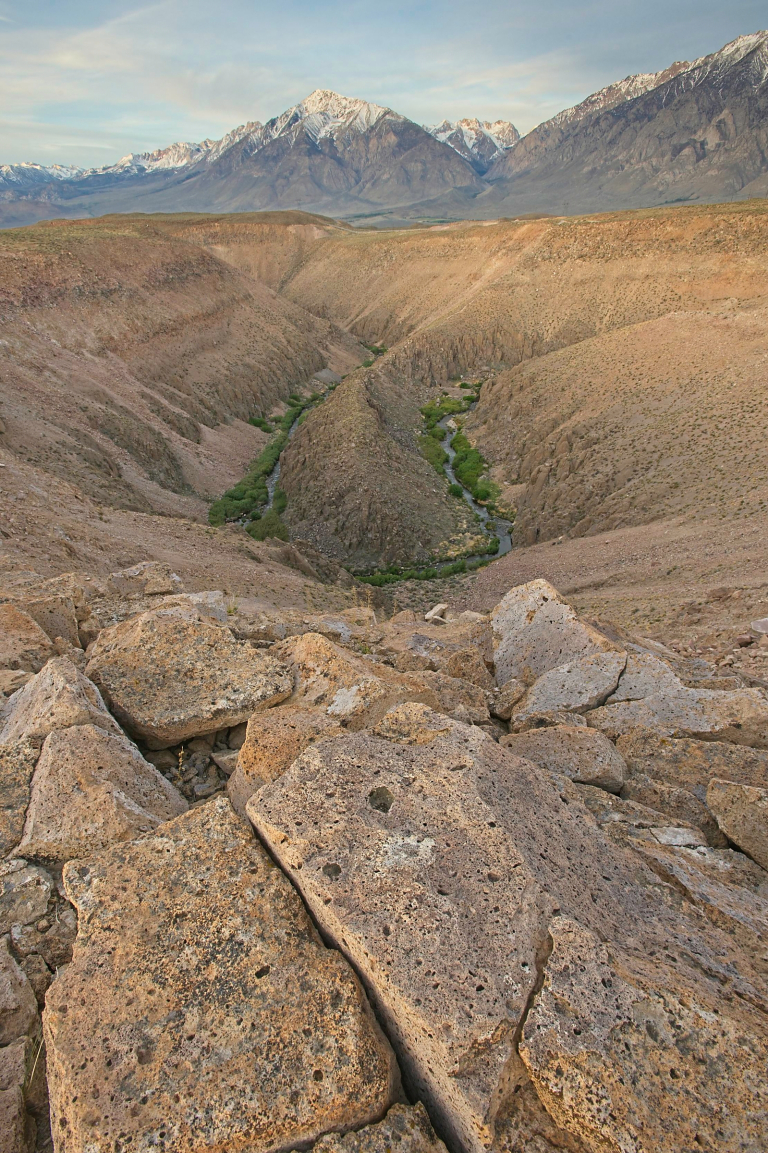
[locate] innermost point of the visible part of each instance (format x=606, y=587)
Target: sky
x=86, y=82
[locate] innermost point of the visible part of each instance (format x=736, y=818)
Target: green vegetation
x=269, y=525
x=435, y=410
x=433, y=451
x=465, y=385
x=469, y=466
x=280, y=501
x=367, y=363
x=456, y=490
x=393, y=574
x=262, y=423
x=246, y=499
x=376, y=349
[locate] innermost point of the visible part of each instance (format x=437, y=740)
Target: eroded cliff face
x=132, y=360
x=610, y=344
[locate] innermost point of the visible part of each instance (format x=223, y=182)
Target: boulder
x=17, y=1127
x=23, y=644
x=505, y=698
x=468, y=665
x=149, y=578
x=691, y=764
x=13, y=679
x=603, y=1025
x=459, y=699
x=436, y=613
x=443, y=866
x=273, y=741
x=742, y=814
x=17, y=764
x=740, y=717
x=25, y=891
x=405, y=1129
x=644, y=676
x=682, y=805
x=169, y=674
x=56, y=617
x=574, y=687
x=92, y=788
x=18, y=1004
x=582, y=754
x=351, y=690
x=56, y=698
x=528, y=722
x=201, y=1010
x=534, y=630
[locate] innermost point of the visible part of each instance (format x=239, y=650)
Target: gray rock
x=18, y=1004
x=740, y=717
x=534, y=630
x=575, y=687
x=25, y=891
x=580, y=753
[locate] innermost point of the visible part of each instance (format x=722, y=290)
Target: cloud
x=81, y=88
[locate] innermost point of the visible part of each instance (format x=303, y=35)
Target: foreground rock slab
x=444, y=867
x=92, y=788
x=742, y=814
x=740, y=717
x=23, y=644
x=535, y=630
x=582, y=754
x=574, y=687
x=170, y=674
x=201, y=1010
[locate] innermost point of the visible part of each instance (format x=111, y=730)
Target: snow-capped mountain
x=478, y=141
x=27, y=175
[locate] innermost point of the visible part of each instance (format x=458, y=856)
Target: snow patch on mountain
x=479, y=141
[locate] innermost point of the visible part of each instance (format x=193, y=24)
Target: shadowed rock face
x=201, y=1008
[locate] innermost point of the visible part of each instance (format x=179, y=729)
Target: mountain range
x=694, y=132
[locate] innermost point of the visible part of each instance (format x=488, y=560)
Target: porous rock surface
x=352, y=690
x=59, y=696
x=171, y=674
x=17, y=764
x=534, y=630
x=451, y=872
x=580, y=753
x=577, y=686
x=201, y=1009
x=742, y=814
x=91, y=788
x=23, y=644
x=405, y=1129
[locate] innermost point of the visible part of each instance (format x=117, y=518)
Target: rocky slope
x=534, y=846
x=697, y=133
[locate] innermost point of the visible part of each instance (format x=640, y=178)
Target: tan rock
x=13, y=679
x=201, y=1008
x=678, y=803
x=644, y=676
x=56, y=698
x=274, y=740
x=23, y=644
x=740, y=717
x=575, y=687
x=25, y=891
x=741, y=812
x=149, y=578
x=691, y=764
x=169, y=674
x=534, y=630
x=505, y=698
x=468, y=665
x=432, y=645
x=92, y=788
x=18, y=1004
x=350, y=689
x=17, y=1127
x=457, y=698
x=581, y=754
x=405, y=1129
x=603, y=1026
x=56, y=617
x=527, y=722
x=436, y=612
x=226, y=761
x=17, y=764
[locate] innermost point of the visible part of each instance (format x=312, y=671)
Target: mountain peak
x=481, y=142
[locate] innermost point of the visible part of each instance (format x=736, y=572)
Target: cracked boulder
x=443, y=866
x=692, y=764
x=575, y=687
x=170, y=674
x=582, y=754
x=273, y=741
x=350, y=689
x=23, y=644
x=59, y=696
x=742, y=814
x=17, y=764
x=405, y=1129
x=91, y=788
x=740, y=716
x=201, y=1010
x=535, y=630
